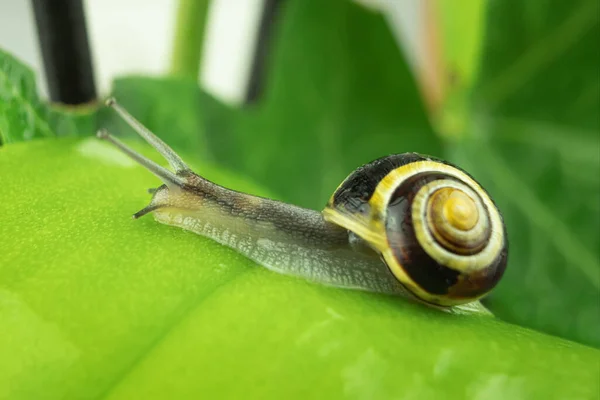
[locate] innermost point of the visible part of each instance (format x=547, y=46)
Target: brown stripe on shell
x=482, y=281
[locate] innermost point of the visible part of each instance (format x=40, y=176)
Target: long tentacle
x=172, y=158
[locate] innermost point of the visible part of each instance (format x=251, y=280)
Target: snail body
x=405, y=224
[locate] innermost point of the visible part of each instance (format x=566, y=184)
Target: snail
x=405, y=224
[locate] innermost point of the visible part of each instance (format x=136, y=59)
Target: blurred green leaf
x=339, y=95
x=461, y=36
x=540, y=62
x=24, y=117
x=95, y=304
x=535, y=144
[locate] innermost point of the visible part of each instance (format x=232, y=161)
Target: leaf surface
x=94, y=304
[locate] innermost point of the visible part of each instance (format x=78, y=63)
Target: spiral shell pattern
x=446, y=238
x=437, y=229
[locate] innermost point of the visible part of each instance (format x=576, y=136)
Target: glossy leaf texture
x=94, y=304
x=535, y=143
x=23, y=116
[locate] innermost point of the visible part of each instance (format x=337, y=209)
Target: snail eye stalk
x=172, y=158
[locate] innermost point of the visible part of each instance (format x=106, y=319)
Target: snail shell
x=437, y=229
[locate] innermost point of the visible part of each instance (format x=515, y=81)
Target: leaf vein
x=546, y=51
x=177, y=320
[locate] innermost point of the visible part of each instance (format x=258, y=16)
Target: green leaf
x=461, y=37
x=541, y=62
x=94, y=304
x=23, y=116
x=534, y=144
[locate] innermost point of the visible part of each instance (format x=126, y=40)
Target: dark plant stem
x=261, y=51
x=189, y=38
x=62, y=33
